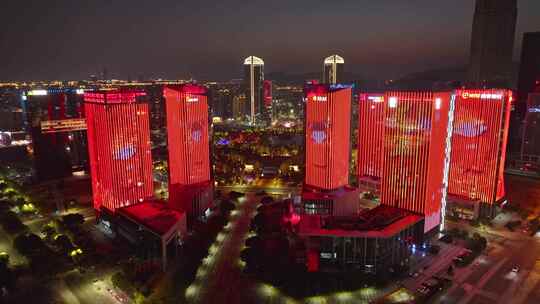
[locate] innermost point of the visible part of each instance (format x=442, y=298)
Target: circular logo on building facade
x=196, y=131
x=318, y=132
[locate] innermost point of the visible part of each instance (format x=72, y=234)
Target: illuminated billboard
x=479, y=144
x=119, y=148
x=187, y=126
x=327, y=133
x=416, y=152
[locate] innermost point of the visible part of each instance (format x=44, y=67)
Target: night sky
x=71, y=39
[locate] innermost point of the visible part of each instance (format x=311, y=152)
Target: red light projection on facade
x=479, y=144
x=187, y=125
x=370, y=134
x=327, y=136
x=119, y=148
x=267, y=93
x=415, y=149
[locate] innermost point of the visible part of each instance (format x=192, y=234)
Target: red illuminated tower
x=480, y=133
x=189, y=158
x=416, y=153
x=370, y=138
x=327, y=128
x=119, y=148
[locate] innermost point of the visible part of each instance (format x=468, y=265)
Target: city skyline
x=38, y=36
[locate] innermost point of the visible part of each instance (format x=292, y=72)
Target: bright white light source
x=37, y=93
x=392, y=102
x=79, y=91
x=438, y=103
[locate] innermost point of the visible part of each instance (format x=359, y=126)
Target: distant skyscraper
x=530, y=147
x=492, y=41
x=529, y=70
x=253, y=81
x=55, y=121
x=333, y=69
x=119, y=148
x=529, y=76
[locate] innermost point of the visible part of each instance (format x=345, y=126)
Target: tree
x=28, y=244
x=48, y=230
x=64, y=243
x=72, y=221
x=225, y=207
x=4, y=258
x=11, y=223
x=120, y=281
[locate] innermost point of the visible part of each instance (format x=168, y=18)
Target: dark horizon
x=61, y=39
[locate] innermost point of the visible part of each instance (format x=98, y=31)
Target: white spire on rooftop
x=334, y=59
x=253, y=60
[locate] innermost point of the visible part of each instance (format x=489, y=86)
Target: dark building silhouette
x=333, y=69
x=55, y=121
x=530, y=147
x=492, y=42
x=157, y=106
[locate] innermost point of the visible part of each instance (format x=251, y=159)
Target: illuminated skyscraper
x=119, y=147
x=327, y=128
x=253, y=79
x=492, y=41
x=333, y=69
x=55, y=120
x=370, y=135
x=480, y=132
x=416, y=153
x=189, y=156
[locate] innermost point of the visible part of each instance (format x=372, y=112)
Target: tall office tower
x=530, y=147
x=492, y=42
x=333, y=69
x=239, y=105
x=370, y=135
x=480, y=132
x=416, y=153
x=529, y=76
x=157, y=106
x=221, y=104
x=189, y=156
x=55, y=120
x=328, y=112
x=119, y=148
x=529, y=69
x=267, y=100
x=253, y=82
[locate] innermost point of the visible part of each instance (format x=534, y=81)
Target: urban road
x=490, y=278
x=220, y=278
